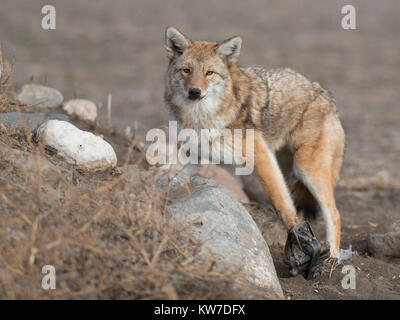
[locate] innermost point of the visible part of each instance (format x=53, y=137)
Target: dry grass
x=109, y=243
x=8, y=101
x=106, y=237
x=5, y=87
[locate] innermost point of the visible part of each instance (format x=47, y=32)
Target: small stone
x=40, y=96
x=76, y=146
x=82, y=109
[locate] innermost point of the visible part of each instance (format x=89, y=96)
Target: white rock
x=40, y=96
x=81, y=108
x=79, y=147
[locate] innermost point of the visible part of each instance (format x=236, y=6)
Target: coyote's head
x=199, y=72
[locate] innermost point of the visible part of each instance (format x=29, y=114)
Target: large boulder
x=40, y=96
x=224, y=231
x=86, y=150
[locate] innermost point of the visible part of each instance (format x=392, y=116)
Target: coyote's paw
x=304, y=254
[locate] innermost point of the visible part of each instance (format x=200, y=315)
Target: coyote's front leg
x=303, y=252
x=267, y=169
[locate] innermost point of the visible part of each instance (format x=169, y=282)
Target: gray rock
x=12, y=120
x=40, y=96
x=224, y=230
x=385, y=245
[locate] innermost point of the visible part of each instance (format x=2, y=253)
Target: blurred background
x=103, y=47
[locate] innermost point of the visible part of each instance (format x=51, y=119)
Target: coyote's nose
x=194, y=93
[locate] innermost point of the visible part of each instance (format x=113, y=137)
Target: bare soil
x=117, y=47
x=375, y=278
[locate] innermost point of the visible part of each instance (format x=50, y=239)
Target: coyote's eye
x=209, y=73
x=186, y=70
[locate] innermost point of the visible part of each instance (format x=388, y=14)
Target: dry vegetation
x=6, y=88
x=107, y=237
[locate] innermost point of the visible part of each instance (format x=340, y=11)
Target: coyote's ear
x=175, y=42
x=230, y=49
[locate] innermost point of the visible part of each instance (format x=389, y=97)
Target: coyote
x=205, y=88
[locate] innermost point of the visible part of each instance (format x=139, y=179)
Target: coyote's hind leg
x=318, y=165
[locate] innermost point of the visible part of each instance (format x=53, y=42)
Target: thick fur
x=283, y=107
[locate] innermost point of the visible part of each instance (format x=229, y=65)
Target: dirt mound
x=371, y=211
